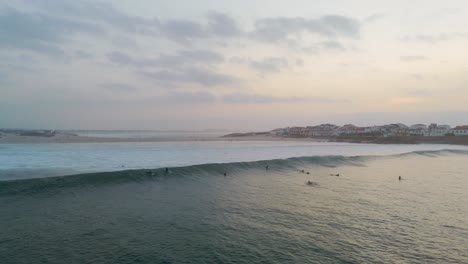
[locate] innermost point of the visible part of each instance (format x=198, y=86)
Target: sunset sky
x=239, y=65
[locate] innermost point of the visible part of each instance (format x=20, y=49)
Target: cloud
x=51, y=22
x=222, y=25
x=124, y=42
x=184, y=57
x=200, y=76
x=373, y=18
x=434, y=38
x=117, y=87
x=283, y=28
x=270, y=64
x=96, y=12
x=190, y=57
x=242, y=98
x=331, y=45
x=81, y=54
x=181, y=68
x=172, y=98
x=125, y=59
x=413, y=58
x=38, y=32
x=183, y=31
x=188, y=98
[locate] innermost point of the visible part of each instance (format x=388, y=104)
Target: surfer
x=302, y=171
x=267, y=167
x=308, y=173
x=166, y=170
x=399, y=178
x=225, y=174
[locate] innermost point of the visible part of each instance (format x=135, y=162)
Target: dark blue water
x=253, y=215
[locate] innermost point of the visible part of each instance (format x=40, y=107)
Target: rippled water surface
x=195, y=214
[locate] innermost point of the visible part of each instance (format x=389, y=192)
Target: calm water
x=162, y=134
x=194, y=214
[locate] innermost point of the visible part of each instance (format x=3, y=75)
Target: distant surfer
x=302, y=171
x=267, y=167
x=308, y=173
x=399, y=178
x=337, y=175
x=166, y=170
x=225, y=174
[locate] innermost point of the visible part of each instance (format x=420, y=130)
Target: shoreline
x=7, y=138
x=63, y=138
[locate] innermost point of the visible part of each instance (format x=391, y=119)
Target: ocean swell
x=62, y=183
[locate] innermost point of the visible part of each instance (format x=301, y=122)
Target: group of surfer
x=314, y=183
x=267, y=167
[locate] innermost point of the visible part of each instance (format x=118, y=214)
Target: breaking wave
x=65, y=183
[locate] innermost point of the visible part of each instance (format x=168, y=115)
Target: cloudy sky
x=244, y=65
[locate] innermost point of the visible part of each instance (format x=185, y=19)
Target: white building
x=372, y=129
x=324, y=130
x=298, y=132
x=460, y=131
x=280, y=132
x=417, y=131
x=435, y=130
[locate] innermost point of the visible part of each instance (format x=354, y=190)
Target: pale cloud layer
x=69, y=64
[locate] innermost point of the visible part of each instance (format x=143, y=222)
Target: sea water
x=192, y=213
x=58, y=159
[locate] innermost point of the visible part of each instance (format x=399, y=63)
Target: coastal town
x=390, y=130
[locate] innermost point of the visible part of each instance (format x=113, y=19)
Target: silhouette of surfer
x=166, y=170
x=311, y=183
x=399, y=178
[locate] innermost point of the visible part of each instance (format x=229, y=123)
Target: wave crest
x=52, y=185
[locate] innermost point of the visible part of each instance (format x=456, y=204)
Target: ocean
x=117, y=203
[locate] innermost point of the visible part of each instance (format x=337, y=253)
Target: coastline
x=63, y=138
x=8, y=138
